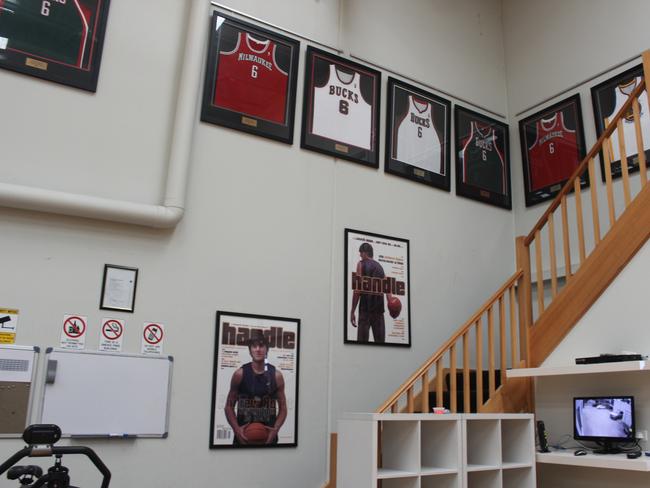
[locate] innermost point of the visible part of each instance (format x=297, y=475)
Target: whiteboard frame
x=50, y=350
x=30, y=402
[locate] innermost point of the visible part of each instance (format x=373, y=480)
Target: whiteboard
x=17, y=372
x=89, y=393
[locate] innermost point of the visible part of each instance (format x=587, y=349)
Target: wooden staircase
x=518, y=326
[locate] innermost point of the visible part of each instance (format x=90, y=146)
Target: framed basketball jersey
x=418, y=137
x=57, y=40
x=608, y=98
x=250, y=79
x=482, y=158
x=341, y=108
x=552, y=147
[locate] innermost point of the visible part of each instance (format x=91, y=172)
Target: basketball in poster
x=377, y=290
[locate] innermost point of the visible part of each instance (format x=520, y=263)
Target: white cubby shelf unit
x=436, y=451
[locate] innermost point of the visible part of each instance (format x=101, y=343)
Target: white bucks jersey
x=340, y=112
x=417, y=140
x=629, y=132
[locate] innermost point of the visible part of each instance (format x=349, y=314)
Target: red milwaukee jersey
x=554, y=155
x=250, y=82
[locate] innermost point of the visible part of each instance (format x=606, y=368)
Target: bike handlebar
x=54, y=451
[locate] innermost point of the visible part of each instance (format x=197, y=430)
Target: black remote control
x=542, y=437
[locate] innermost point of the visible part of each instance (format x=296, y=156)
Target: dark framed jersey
x=608, y=98
x=482, y=158
x=250, y=79
x=552, y=147
x=57, y=40
x=341, y=108
x=418, y=140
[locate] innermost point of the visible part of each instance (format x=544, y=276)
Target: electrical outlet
x=642, y=434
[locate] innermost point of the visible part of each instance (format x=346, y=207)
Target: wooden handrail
x=447, y=345
x=568, y=186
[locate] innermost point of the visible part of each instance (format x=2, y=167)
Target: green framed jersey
x=50, y=36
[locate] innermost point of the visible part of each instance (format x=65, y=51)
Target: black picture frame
x=54, y=40
x=327, y=125
x=388, y=256
x=607, y=98
x=255, y=91
x=418, y=135
x=232, y=333
x=550, y=159
x=119, y=285
x=482, y=169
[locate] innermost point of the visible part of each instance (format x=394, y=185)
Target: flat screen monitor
x=607, y=420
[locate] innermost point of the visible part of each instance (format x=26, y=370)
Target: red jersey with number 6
x=554, y=155
x=250, y=82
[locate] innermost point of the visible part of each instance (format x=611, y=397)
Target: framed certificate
x=608, y=97
x=418, y=135
x=552, y=147
x=118, y=288
x=482, y=158
x=250, y=79
x=255, y=381
x=56, y=40
x=377, y=290
x=341, y=108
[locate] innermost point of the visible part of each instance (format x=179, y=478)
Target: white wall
x=553, y=45
x=263, y=230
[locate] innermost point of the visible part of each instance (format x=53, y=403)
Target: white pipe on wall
x=170, y=212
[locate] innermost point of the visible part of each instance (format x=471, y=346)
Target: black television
x=606, y=420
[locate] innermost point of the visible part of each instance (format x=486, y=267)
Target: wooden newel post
x=525, y=298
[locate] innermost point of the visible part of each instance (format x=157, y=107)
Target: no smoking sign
x=111, y=335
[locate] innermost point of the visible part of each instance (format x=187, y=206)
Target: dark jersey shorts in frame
x=341, y=108
x=57, y=40
x=482, y=158
x=552, y=147
x=418, y=138
x=250, y=80
x=608, y=98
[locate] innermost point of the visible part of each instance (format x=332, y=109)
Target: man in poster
x=257, y=390
x=371, y=309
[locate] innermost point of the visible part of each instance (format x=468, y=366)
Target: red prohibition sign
x=153, y=334
x=74, y=327
x=112, y=330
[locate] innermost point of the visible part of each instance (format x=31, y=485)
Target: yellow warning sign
x=7, y=338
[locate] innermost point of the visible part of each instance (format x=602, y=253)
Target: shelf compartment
x=400, y=441
x=517, y=442
x=411, y=482
x=431, y=471
x=436, y=433
x=484, y=479
x=516, y=478
x=483, y=446
x=442, y=481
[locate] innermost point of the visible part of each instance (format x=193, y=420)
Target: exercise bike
x=41, y=439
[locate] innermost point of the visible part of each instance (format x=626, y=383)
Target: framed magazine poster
x=377, y=290
x=552, y=147
x=56, y=40
x=608, y=98
x=482, y=158
x=255, y=381
x=250, y=79
x=418, y=135
x=341, y=108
